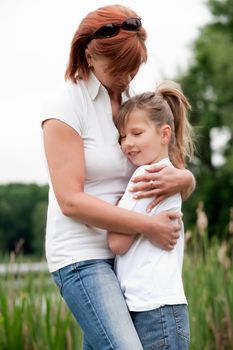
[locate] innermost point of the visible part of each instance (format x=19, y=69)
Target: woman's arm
x=163, y=181
x=65, y=157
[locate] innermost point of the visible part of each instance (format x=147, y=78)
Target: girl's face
x=142, y=141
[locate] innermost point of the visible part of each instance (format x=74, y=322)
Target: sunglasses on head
x=112, y=29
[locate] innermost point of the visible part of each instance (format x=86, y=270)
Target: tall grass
x=208, y=279
x=34, y=317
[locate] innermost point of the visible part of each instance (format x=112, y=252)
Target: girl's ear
x=166, y=134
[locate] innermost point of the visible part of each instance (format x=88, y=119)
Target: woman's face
x=100, y=67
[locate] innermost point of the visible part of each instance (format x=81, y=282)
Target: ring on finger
x=152, y=184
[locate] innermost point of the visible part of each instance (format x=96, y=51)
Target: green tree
x=209, y=85
x=17, y=205
x=38, y=227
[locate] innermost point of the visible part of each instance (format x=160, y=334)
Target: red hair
x=126, y=50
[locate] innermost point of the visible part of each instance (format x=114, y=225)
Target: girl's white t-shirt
x=149, y=276
x=86, y=107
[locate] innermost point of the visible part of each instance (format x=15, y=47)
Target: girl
x=154, y=129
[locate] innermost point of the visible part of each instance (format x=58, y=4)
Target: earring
x=89, y=65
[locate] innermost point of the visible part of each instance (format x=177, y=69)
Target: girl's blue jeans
x=91, y=290
x=164, y=328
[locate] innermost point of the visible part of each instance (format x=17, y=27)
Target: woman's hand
x=163, y=181
x=168, y=227
x=168, y=230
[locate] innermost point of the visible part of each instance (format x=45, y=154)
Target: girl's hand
x=163, y=181
x=168, y=230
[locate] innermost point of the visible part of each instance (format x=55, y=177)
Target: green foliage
x=207, y=268
x=38, y=227
x=22, y=217
x=34, y=317
x=208, y=83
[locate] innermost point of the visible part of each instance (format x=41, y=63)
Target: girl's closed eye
x=138, y=133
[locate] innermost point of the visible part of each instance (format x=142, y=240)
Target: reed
x=208, y=280
x=33, y=316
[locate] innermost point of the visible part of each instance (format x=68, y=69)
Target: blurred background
x=188, y=41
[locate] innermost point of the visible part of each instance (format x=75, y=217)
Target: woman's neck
x=115, y=99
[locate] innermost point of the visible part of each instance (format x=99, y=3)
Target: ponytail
x=181, y=144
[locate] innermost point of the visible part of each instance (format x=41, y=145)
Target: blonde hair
x=167, y=105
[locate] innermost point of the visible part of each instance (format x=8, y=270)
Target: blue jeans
x=164, y=328
x=92, y=292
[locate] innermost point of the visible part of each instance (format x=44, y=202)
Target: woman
x=89, y=173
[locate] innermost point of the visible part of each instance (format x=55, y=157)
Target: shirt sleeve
x=172, y=203
x=128, y=202
x=66, y=105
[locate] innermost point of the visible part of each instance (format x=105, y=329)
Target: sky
x=35, y=40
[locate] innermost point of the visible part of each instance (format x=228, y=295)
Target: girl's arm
x=65, y=157
x=120, y=243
